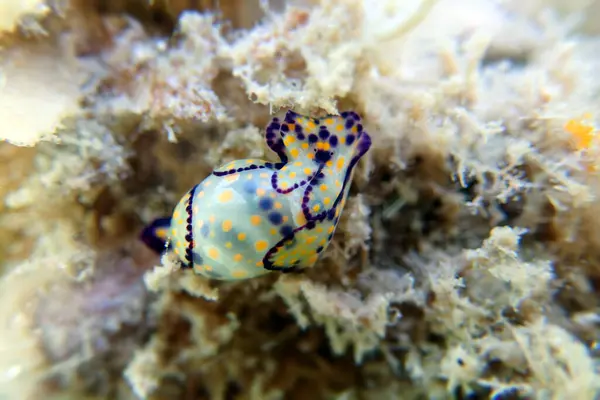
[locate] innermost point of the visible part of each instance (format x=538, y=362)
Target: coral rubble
x=467, y=260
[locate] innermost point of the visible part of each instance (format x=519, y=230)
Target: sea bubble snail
x=251, y=217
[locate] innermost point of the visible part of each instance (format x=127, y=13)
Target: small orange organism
x=582, y=130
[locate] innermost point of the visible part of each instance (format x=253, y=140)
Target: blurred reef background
x=467, y=263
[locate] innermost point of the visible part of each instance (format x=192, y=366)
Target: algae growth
x=466, y=264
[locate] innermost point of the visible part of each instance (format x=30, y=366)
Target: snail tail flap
x=156, y=234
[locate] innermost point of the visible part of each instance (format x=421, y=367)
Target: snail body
x=251, y=217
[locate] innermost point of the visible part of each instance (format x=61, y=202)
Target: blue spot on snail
x=250, y=217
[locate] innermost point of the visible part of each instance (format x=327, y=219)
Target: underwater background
x=466, y=263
